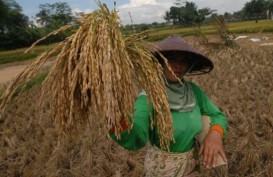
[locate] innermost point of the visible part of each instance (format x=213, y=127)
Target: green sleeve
x=138, y=136
x=207, y=107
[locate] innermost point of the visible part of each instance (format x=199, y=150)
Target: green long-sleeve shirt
x=186, y=124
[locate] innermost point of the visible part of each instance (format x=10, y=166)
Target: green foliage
x=16, y=33
x=19, y=55
x=233, y=28
x=37, y=80
x=251, y=26
x=269, y=5
x=15, y=38
x=167, y=17
x=187, y=15
x=190, y=13
x=255, y=9
x=13, y=18
x=55, y=15
x=3, y=14
x=22, y=57
x=14, y=30
x=52, y=17
x=202, y=14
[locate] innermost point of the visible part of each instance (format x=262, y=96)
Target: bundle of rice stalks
x=95, y=68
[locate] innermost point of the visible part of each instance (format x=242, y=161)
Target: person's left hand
x=210, y=148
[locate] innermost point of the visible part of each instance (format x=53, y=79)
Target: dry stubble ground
x=241, y=85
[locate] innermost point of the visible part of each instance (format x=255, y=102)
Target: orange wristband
x=219, y=129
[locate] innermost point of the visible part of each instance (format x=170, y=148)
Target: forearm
x=137, y=137
x=133, y=139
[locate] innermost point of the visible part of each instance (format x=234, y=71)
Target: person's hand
x=210, y=148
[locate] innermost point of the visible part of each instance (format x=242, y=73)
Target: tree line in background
x=187, y=14
x=16, y=30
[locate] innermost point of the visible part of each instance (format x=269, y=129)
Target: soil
x=8, y=73
x=11, y=70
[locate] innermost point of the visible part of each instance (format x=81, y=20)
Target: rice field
x=241, y=27
x=18, y=55
x=240, y=84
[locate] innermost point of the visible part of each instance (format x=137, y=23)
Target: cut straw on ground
x=95, y=68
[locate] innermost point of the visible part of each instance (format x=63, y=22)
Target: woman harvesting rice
x=94, y=70
x=187, y=103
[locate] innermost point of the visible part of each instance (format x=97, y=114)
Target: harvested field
x=240, y=84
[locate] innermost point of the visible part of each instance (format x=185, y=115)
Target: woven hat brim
x=202, y=64
x=176, y=44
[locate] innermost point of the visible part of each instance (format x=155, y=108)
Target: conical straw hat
x=175, y=44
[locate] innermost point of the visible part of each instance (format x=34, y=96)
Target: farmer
x=188, y=103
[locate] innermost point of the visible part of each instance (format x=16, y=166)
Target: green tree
x=43, y=17
x=269, y=5
x=3, y=15
x=188, y=14
x=12, y=17
x=203, y=14
x=54, y=15
x=255, y=9
x=184, y=15
x=269, y=8
x=167, y=16
x=14, y=31
x=175, y=14
x=238, y=15
x=227, y=15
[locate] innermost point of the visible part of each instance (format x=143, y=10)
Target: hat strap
x=189, y=69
